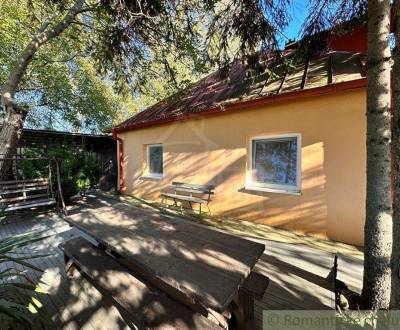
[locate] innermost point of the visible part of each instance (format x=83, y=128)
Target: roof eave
x=255, y=103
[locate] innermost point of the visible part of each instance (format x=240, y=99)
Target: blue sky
x=298, y=13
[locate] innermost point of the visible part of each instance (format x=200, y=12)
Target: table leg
x=243, y=312
x=70, y=267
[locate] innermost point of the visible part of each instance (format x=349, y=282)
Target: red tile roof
x=214, y=94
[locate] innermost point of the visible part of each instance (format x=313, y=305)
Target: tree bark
x=395, y=260
x=13, y=115
x=378, y=221
x=10, y=133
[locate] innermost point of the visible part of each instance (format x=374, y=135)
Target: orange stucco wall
x=213, y=150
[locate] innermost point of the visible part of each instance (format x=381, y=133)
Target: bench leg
x=164, y=203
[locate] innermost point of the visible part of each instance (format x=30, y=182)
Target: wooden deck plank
x=69, y=301
x=178, y=253
x=48, y=278
x=33, y=275
x=59, y=291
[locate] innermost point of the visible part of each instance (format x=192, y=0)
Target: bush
x=80, y=170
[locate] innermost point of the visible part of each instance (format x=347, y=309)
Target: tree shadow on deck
x=71, y=303
x=157, y=240
x=286, y=290
x=251, y=230
x=78, y=304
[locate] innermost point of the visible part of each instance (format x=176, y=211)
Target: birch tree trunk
x=395, y=260
x=378, y=222
x=14, y=116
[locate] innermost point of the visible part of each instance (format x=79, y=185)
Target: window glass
x=155, y=159
x=274, y=161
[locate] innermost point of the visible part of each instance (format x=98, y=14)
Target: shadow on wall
x=225, y=168
x=306, y=213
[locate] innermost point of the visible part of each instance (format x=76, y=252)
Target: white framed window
x=275, y=163
x=155, y=166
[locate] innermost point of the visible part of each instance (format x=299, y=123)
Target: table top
x=203, y=264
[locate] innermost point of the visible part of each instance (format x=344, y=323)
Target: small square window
x=275, y=163
x=155, y=160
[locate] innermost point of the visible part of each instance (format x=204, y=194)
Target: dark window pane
x=155, y=159
x=275, y=161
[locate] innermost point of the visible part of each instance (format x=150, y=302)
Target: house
x=284, y=146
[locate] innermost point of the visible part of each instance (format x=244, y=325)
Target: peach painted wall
x=213, y=150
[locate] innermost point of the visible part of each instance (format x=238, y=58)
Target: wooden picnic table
x=194, y=263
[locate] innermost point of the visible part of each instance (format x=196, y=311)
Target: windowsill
x=258, y=190
x=153, y=176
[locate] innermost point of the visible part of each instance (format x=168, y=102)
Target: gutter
x=255, y=103
x=120, y=157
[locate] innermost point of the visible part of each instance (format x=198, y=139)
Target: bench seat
x=185, y=198
x=30, y=204
x=148, y=306
x=189, y=191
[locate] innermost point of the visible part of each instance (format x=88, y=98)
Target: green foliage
x=340, y=16
x=80, y=169
x=337, y=14
x=62, y=88
x=120, y=56
x=20, y=307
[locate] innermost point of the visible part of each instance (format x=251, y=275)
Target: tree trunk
x=9, y=136
x=395, y=260
x=378, y=221
x=14, y=116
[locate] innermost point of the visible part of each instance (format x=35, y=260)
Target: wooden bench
x=189, y=193
x=22, y=194
x=149, y=307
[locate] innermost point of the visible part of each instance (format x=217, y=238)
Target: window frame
x=154, y=175
x=271, y=187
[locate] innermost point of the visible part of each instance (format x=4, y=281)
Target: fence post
x=59, y=186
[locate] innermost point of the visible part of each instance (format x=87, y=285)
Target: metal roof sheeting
x=212, y=91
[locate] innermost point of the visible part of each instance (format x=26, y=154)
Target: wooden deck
x=296, y=272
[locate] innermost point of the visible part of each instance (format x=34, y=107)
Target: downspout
x=121, y=178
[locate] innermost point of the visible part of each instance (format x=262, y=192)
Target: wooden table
x=196, y=264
